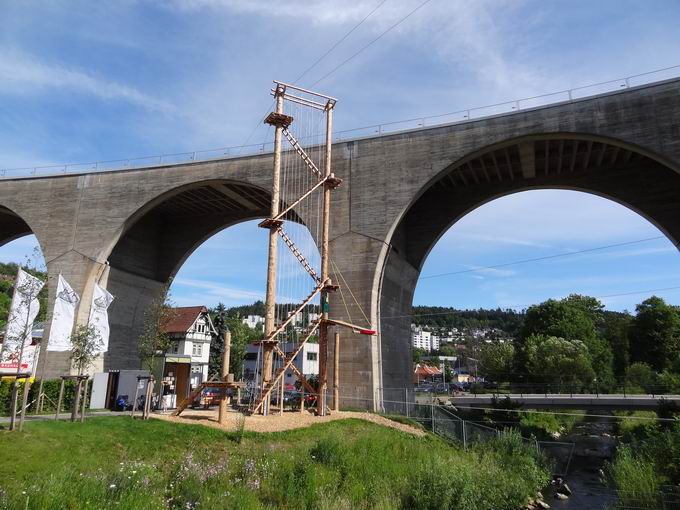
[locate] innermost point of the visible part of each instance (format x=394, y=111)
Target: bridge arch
x=157, y=239
x=631, y=176
x=13, y=226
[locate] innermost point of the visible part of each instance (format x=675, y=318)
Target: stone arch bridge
x=133, y=229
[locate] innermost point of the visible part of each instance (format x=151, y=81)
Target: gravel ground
x=275, y=422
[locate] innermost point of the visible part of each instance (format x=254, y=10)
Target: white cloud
x=216, y=290
x=23, y=73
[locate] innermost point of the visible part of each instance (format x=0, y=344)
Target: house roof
x=182, y=318
x=426, y=370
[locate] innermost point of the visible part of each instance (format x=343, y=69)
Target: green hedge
x=50, y=388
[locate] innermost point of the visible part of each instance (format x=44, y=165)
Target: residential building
x=192, y=331
x=306, y=362
x=254, y=322
x=424, y=340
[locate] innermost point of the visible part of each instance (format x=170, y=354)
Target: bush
x=50, y=388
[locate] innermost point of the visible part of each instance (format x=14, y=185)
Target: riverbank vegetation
x=117, y=462
x=647, y=462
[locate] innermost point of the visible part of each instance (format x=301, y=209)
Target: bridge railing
x=623, y=387
x=459, y=116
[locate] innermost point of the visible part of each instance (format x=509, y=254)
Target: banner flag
x=62, y=317
x=99, y=316
x=23, y=311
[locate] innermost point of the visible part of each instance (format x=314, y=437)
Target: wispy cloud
x=216, y=290
x=23, y=73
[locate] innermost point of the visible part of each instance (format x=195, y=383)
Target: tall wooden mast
x=322, y=281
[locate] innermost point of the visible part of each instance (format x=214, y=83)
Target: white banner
x=62, y=317
x=99, y=317
x=22, y=313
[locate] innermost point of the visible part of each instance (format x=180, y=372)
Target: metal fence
x=459, y=116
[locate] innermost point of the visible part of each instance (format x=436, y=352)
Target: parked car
x=310, y=400
x=208, y=397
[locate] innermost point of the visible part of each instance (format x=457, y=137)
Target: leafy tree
x=496, y=360
x=616, y=332
x=154, y=342
x=417, y=355
x=641, y=375
x=86, y=344
x=572, y=319
x=241, y=336
x=655, y=334
x=219, y=319
x=559, y=360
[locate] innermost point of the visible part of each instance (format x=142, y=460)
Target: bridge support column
x=81, y=273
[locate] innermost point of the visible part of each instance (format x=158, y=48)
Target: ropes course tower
x=298, y=278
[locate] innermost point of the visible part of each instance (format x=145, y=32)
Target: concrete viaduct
x=133, y=229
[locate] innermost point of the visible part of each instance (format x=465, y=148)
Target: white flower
x=112, y=486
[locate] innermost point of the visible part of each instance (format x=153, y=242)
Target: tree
x=616, y=333
x=86, y=344
x=219, y=319
x=496, y=360
x=241, y=336
x=153, y=341
x=559, y=360
x=655, y=334
x=572, y=319
x=641, y=375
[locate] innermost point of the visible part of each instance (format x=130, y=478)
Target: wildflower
x=112, y=486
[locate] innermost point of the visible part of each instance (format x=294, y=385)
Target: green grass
x=116, y=462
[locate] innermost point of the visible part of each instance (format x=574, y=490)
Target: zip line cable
x=546, y=257
x=363, y=48
x=312, y=66
x=339, y=41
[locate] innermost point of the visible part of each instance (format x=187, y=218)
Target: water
x=594, y=445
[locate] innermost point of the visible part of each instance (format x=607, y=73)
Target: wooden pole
x=323, y=328
x=222, y=417
x=302, y=400
x=270, y=301
x=24, y=402
x=13, y=402
x=61, y=396
x=76, y=400
x=82, y=411
x=41, y=396
x=134, y=402
x=147, y=398
x=336, y=373
x=281, y=396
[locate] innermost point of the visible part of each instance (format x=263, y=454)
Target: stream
x=594, y=445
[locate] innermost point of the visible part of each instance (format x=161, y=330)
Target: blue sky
x=85, y=81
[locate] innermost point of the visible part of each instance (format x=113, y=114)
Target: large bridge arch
x=634, y=177
x=157, y=239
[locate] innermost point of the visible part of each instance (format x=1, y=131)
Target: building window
x=197, y=349
x=174, y=348
x=312, y=356
x=200, y=327
x=196, y=369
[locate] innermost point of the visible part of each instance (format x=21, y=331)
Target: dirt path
x=276, y=422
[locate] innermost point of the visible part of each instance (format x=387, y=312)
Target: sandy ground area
x=275, y=422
